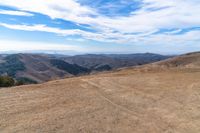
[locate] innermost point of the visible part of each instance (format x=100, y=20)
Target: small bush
x=6, y=81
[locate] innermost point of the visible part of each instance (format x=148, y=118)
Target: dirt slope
x=126, y=101
x=191, y=60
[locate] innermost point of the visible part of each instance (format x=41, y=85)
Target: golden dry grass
x=127, y=101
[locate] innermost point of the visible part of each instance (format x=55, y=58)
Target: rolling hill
x=190, y=60
x=114, y=61
x=131, y=100
x=41, y=68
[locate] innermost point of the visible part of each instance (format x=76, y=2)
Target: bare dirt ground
x=127, y=101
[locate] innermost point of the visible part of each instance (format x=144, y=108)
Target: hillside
x=40, y=67
x=190, y=60
x=130, y=100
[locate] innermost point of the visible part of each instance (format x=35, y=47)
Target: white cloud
x=16, y=13
x=142, y=38
x=153, y=16
x=52, y=8
x=62, y=32
x=180, y=13
x=43, y=28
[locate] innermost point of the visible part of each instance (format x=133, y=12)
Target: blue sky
x=100, y=26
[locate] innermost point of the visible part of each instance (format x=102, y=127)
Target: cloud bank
x=154, y=21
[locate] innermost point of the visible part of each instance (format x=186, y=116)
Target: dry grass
x=130, y=100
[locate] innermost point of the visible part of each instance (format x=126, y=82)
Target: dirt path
x=103, y=96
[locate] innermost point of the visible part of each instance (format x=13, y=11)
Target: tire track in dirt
x=109, y=100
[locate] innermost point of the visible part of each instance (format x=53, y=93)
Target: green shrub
x=6, y=81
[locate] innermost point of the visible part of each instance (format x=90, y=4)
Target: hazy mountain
x=45, y=67
x=113, y=61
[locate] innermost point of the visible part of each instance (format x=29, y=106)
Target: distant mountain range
x=44, y=67
x=114, y=61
